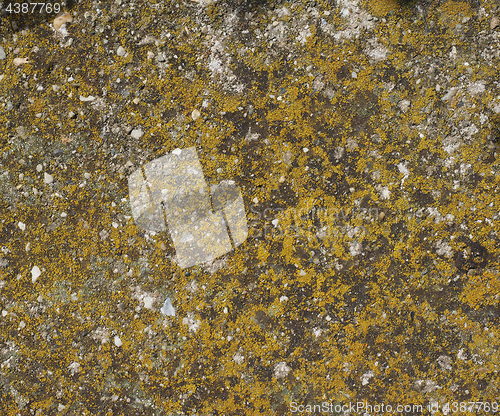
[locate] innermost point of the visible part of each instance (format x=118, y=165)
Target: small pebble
x=494, y=22
x=35, y=273
x=151, y=55
x=61, y=20
x=404, y=105
x=89, y=98
x=168, y=309
x=118, y=341
x=20, y=61
x=148, y=302
x=121, y=51
x=65, y=139
x=47, y=178
x=2, y=53
x=195, y=114
x=39, y=167
x=136, y=133
x=64, y=215
x=86, y=175
x=21, y=225
x=450, y=94
x=354, y=75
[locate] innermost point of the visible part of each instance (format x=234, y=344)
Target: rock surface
x=364, y=138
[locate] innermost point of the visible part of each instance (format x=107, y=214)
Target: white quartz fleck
x=148, y=301
x=74, y=367
x=365, y=378
x=118, y=341
x=195, y=114
x=238, y=358
x=385, y=193
x=137, y=133
x=89, y=98
x=35, y=273
x=121, y=51
x=281, y=370
x=168, y=309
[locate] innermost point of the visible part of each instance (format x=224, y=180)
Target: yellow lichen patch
x=381, y=8
x=326, y=118
x=453, y=12
x=482, y=289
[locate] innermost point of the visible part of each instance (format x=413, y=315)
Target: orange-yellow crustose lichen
x=299, y=297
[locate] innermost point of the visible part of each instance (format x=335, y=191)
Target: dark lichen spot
x=472, y=256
